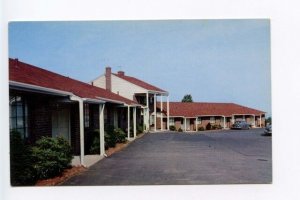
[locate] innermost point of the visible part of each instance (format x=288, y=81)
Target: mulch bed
x=75, y=170
x=68, y=173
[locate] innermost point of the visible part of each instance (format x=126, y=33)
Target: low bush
x=120, y=135
x=22, y=172
x=109, y=137
x=216, y=126
x=179, y=130
x=172, y=128
x=51, y=156
x=95, y=146
x=201, y=128
x=140, y=129
x=110, y=140
x=113, y=136
x=208, y=126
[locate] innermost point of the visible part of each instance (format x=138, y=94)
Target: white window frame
x=86, y=115
x=171, y=121
x=212, y=120
x=199, y=120
x=14, y=117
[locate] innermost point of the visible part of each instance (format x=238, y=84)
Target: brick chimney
x=108, y=78
x=121, y=73
x=15, y=62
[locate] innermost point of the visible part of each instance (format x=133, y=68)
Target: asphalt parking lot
x=171, y=158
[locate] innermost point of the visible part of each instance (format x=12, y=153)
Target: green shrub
x=140, y=129
x=201, y=128
x=120, y=135
x=95, y=146
x=172, y=128
x=51, y=156
x=208, y=126
x=179, y=130
x=113, y=136
x=217, y=126
x=21, y=168
x=109, y=129
x=110, y=140
x=109, y=137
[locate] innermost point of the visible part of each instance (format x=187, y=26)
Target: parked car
x=268, y=129
x=240, y=125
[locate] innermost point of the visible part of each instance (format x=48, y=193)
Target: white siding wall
x=100, y=82
x=121, y=86
x=125, y=88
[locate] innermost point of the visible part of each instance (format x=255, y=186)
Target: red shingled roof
x=29, y=74
x=140, y=83
x=209, y=109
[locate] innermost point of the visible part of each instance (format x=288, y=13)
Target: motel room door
x=188, y=124
x=61, y=123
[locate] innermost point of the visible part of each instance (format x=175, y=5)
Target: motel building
x=138, y=91
x=190, y=116
x=44, y=103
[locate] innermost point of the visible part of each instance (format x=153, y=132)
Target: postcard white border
x=285, y=57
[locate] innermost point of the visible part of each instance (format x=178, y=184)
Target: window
x=212, y=120
x=18, y=115
x=171, y=121
x=86, y=115
x=199, y=120
x=151, y=100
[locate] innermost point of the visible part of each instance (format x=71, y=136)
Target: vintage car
x=240, y=125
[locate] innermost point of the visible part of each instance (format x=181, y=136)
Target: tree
x=269, y=120
x=187, y=98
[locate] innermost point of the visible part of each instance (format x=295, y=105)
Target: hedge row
x=201, y=128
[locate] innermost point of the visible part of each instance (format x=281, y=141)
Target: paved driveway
x=224, y=157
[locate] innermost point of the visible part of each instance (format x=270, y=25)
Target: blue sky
x=213, y=60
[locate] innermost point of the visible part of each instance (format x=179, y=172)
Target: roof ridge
x=126, y=77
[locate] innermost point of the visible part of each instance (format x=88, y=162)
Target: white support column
x=128, y=122
x=185, y=124
x=196, y=124
x=260, y=121
x=147, y=112
x=161, y=113
x=253, y=121
x=168, y=114
x=134, y=122
x=232, y=119
x=243, y=117
x=155, y=116
x=224, y=125
x=101, y=128
x=81, y=125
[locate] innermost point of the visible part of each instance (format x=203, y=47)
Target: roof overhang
x=219, y=115
x=110, y=100
x=164, y=93
x=176, y=116
x=247, y=114
x=95, y=101
x=37, y=89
